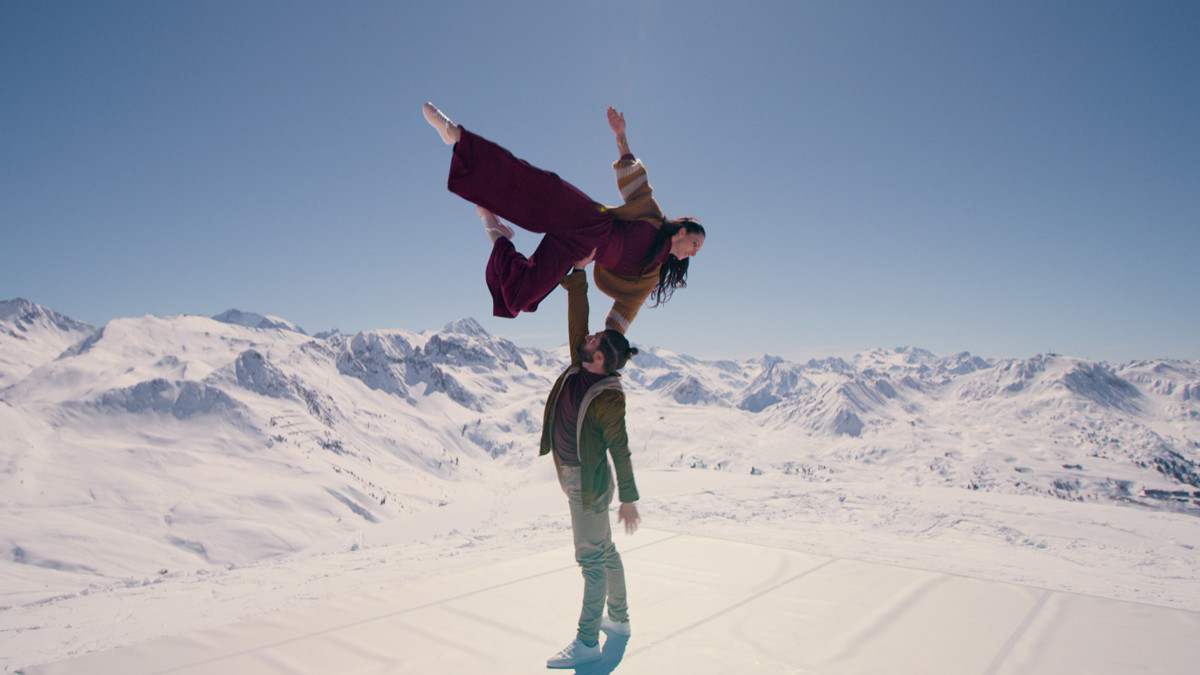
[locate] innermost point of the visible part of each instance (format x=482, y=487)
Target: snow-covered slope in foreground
x=160, y=463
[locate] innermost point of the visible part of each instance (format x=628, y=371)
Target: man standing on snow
x=583, y=424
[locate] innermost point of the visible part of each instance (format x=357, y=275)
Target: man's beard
x=583, y=353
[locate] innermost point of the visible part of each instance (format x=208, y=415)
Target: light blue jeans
x=603, y=573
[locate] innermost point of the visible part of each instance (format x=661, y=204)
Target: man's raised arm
x=577, y=306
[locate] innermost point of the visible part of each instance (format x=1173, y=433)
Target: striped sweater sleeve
x=631, y=179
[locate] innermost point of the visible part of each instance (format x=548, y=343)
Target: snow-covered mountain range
x=182, y=442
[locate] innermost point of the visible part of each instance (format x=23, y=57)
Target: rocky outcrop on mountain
x=237, y=317
x=182, y=400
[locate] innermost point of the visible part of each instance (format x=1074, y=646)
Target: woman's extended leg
x=502, y=185
x=534, y=199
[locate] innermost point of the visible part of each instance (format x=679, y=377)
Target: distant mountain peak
x=465, y=326
x=22, y=314
x=31, y=335
x=10, y=308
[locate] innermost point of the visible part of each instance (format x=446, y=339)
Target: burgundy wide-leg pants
x=536, y=200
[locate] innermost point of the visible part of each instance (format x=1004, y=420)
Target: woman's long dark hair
x=673, y=273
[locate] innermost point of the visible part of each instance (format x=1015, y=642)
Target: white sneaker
x=493, y=226
x=448, y=130
x=614, y=627
x=575, y=654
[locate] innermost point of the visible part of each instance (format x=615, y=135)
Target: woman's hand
x=616, y=121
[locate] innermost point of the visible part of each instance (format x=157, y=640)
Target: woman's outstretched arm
x=616, y=122
x=631, y=173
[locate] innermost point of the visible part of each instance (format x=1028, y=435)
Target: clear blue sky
x=1004, y=178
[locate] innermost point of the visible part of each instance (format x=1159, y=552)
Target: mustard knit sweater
x=629, y=293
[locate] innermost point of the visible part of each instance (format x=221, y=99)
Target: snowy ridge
x=208, y=442
x=252, y=320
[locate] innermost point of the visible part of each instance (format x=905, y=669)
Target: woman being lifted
x=639, y=254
